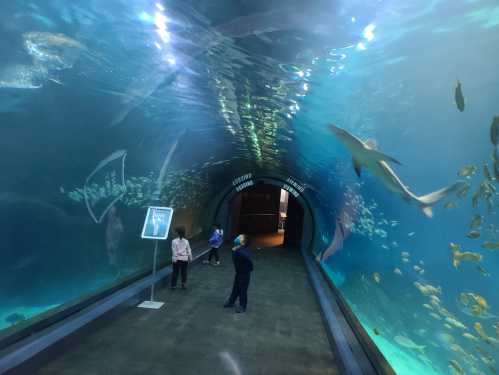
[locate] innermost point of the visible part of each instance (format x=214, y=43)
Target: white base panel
x=151, y=305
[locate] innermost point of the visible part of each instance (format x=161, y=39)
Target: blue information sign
x=157, y=223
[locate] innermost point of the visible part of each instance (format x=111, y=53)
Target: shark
x=365, y=155
x=340, y=233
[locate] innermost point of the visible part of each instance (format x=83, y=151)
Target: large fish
x=459, y=97
x=340, y=233
x=494, y=131
x=376, y=162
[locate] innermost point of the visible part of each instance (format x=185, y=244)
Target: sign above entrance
x=157, y=223
x=293, y=187
x=244, y=185
x=295, y=184
x=241, y=179
x=291, y=190
x=244, y=181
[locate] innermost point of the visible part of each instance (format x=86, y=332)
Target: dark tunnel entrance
x=271, y=215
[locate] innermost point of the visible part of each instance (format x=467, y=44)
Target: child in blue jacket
x=216, y=240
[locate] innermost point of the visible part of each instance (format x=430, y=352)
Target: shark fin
x=430, y=199
x=438, y=195
x=357, y=166
x=379, y=156
x=428, y=211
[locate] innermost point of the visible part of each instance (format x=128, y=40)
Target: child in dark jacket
x=243, y=266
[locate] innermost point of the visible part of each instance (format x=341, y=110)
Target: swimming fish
x=483, y=271
x=473, y=234
x=467, y=171
x=376, y=331
x=456, y=368
x=471, y=337
x=377, y=277
x=489, y=245
x=496, y=326
x=435, y=300
x=459, y=97
x=410, y=234
x=445, y=338
x=458, y=349
x=481, y=333
x=476, y=221
x=427, y=289
x=461, y=193
x=426, y=306
x=341, y=232
x=459, y=256
x=496, y=166
x=456, y=323
x=473, y=303
x=397, y=271
x=408, y=343
x=450, y=205
x=486, y=172
x=494, y=131
x=435, y=316
x=474, y=199
x=418, y=269
x=376, y=162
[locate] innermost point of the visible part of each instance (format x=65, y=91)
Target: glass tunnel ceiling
x=107, y=107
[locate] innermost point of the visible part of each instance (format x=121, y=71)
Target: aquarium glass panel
x=385, y=112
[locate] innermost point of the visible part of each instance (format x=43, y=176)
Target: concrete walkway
x=281, y=333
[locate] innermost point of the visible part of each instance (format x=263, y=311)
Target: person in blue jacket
x=216, y=240
x=243, y=266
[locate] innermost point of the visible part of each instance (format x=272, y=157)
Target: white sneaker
x=216, y=264
x=206, y=261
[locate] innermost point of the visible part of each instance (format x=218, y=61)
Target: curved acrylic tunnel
x=107, y=108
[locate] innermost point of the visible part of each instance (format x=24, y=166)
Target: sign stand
x=151, y=304
x=156, y=226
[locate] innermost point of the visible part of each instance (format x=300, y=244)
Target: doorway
x=269, y=214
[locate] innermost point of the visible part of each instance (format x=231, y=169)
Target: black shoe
x=173, y=287
x=228, y=304
x=184, y=286
x=240, y=309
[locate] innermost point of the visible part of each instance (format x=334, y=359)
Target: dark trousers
x=240, y=289
x=213, y=253
x=182, y=266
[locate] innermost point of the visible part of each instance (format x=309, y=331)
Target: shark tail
x=428, y=200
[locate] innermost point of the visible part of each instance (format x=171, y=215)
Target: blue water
x=108, y=108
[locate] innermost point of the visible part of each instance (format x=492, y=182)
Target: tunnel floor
x=282, y=331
